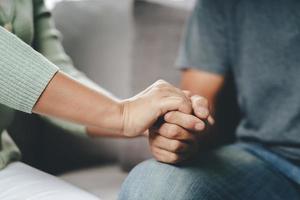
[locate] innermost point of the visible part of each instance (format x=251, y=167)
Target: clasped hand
x=176, y=137
x=182, y=119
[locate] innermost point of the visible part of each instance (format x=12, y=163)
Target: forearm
x=68, y=99
x=92, y=130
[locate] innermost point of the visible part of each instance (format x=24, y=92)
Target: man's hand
x=177, y=138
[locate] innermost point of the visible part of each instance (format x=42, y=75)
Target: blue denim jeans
x=230, y=172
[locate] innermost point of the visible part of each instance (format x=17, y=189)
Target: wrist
x=123, y=119
x=117, y=118
x=109, y=120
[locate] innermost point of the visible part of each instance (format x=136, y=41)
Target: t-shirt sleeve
x=205, y=44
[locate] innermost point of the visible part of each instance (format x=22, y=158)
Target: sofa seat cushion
x=103, y=181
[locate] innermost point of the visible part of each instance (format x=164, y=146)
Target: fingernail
x=199, y=126
x=211, y=120
x=167, y=116
x=203, y=111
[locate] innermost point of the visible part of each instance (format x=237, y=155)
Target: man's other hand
x=177, y=138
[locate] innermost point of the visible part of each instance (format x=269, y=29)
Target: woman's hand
x=70, y=100
x=143, y=110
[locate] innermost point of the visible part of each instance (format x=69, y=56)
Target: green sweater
x=30, y=55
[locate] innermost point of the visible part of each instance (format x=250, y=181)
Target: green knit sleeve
x=24, y=73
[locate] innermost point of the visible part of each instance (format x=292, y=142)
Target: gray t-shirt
x=259, y=42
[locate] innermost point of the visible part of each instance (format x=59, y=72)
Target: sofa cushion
x=104, y=181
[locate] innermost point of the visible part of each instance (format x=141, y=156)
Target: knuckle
x=159, y=88
x=163, y=130
x=169, y=130
x=183, y=103
x=201, y=126
x=176, y=131
x=176, y=146
x=172, y=130
x=187, y=93
x=190, y=122
x=169, y=117
x=186, y=107
x=197, y=125
x=161, y=83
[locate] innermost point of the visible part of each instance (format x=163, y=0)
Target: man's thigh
x=228, y=173
x=19, y=181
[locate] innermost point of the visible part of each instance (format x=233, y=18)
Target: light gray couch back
x=124, y=46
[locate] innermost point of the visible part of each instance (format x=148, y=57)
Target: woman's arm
x=66, y=98
x=69, y=99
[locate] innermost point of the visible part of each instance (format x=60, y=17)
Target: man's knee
x=142, y=181
x=154, y=180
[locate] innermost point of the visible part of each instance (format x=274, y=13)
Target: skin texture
x=177, y=139
x=68, y=99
